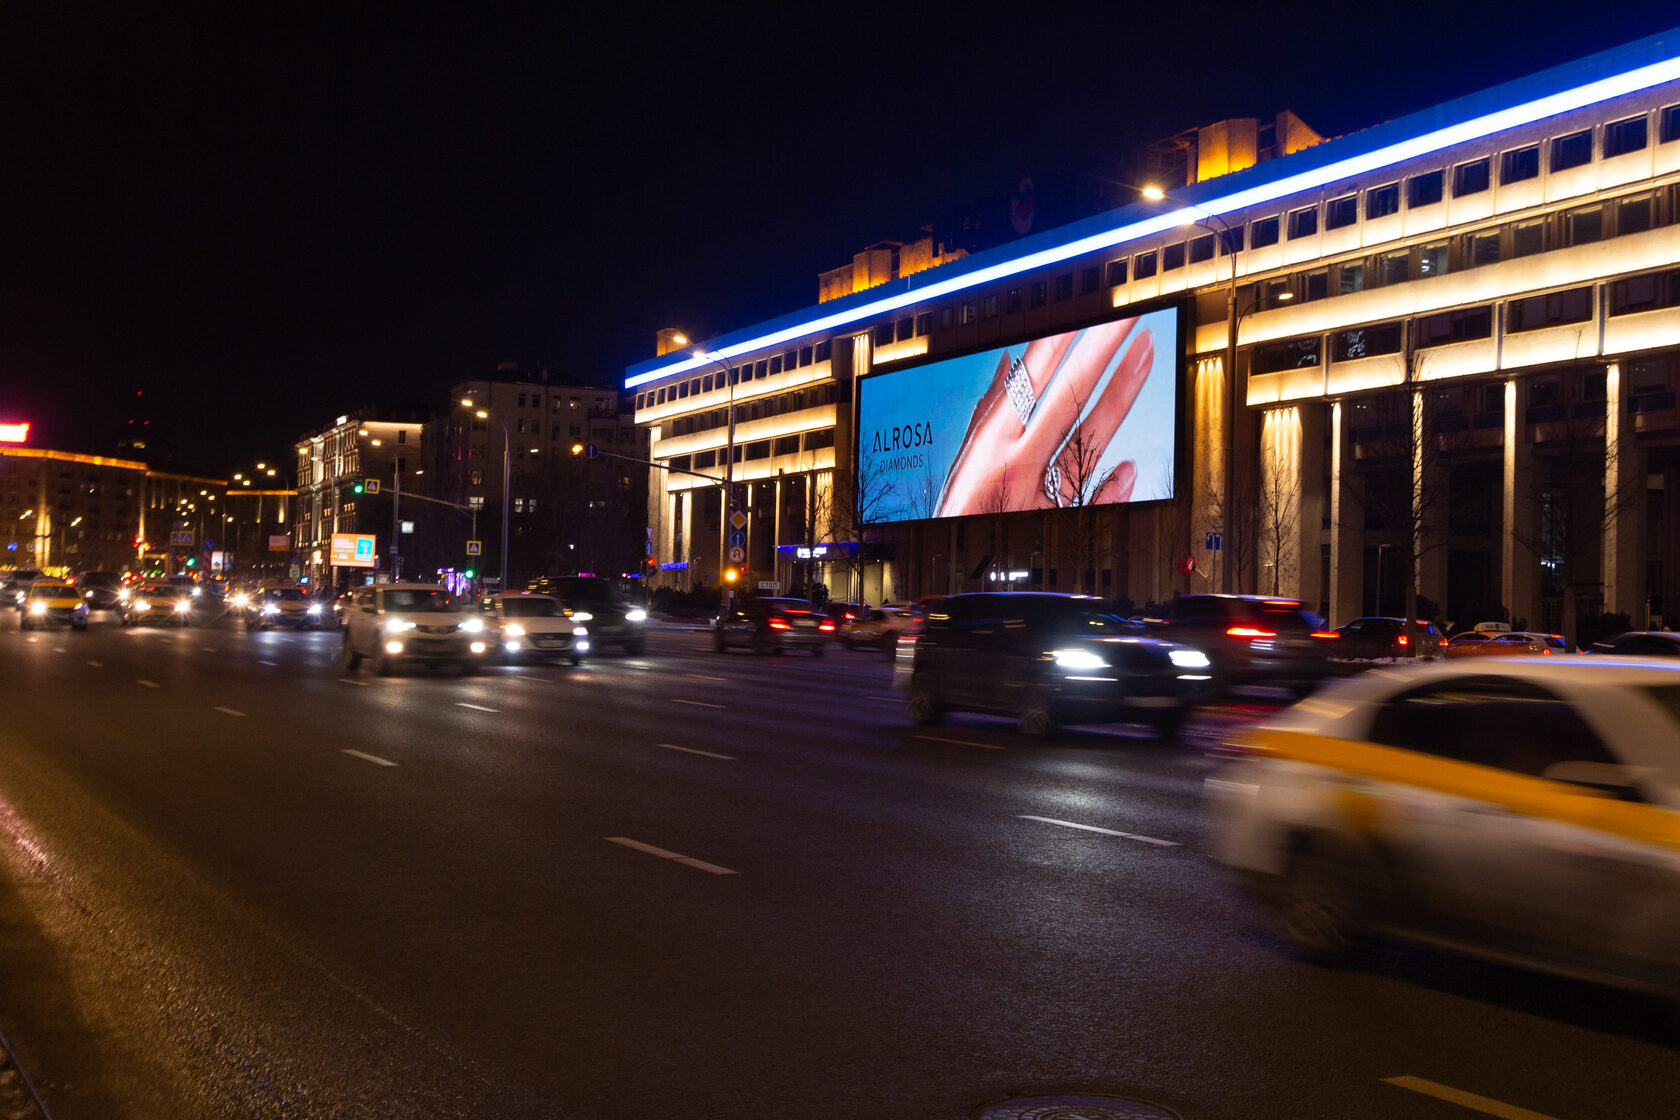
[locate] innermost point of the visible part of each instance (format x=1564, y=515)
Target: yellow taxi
x=1522, y=809
x=53, y=603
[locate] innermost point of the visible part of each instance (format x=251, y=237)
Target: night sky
x=260, y=216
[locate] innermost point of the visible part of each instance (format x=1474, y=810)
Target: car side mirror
x=1620, y=782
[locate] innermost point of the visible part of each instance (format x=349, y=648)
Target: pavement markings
x=961, y=742
x=475, y=707
x=704, y=677
x=147, y=684
x=691, y=750
x=208, y=649
x=373, y=758
x=228, y=711
x=268, y=663
x=60, y=649
x=97, y=664
x=697, y=704
x=1104, y=831
x=32, y=639
x=674, y=857
x=351, y=680
x=528, y=677
x=1467, y=1100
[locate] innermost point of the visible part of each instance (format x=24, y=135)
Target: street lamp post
x=729, y=499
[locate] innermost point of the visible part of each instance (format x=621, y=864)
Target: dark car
x=159, y=602
x=1254, y=640
x=611, y=618
x=1049, y=659
x=769, y=625
x=1377, y=637
x=16, y=586
x=1639, y=643
x=102, y=591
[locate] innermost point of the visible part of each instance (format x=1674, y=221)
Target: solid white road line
x=373, y=758
x=268, y=663
x=475, y=707
x=691, y=750
x=697, y=703
x=961, y=742
x=686, y=861
x=1466, y=1100
x=208, y=649
x=60, y=649
x=1104, y=831
x=526, y=677
x=147, y=684
x=351, y=680
x=704, y=677
x=97, y=664
x=228, y=711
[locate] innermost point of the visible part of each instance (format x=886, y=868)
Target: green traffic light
x=358, y=488
x=471, y=573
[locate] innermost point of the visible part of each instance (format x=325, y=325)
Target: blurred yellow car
x=54, y=604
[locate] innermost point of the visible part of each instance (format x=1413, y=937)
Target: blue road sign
x=737, y=539
x=1215, y=540
x=591, y=450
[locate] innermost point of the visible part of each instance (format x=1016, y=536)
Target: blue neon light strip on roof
x=1323, y=170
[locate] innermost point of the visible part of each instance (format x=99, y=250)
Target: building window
x=1366, y=342
x=816, y=441
x=1341, y=212
x=1470, y=178
x=1668, y=125
x=1573, y=306
x=1143, y=265
x=1350, y=277
x=1572, y=150
x=1201, y=249
x=1012, y=302
x=1481, y=248
x=1455, y=326
x=522, y=400
x=989, y=307
x=883, y=336
x=1315, y=285
x=1090, y=279
x=705, y=387
x=1519, y=164
x=970, y=312
x=1382, y=201
x=476, y=502
x=1528, y=238
x=1231, y=239
x=1303, y=223
x=906, y=330
x=1117, y=272
x=1633, y=215
x=1064, y=286
x=1299, y=353
x=1172, y=257
x=1394, y=268
x=1425, y=190
x=1586, y=225
x=1265, y=233
x=805, y=356
x=924, y=326
x=1622, y=137
x=824, y=349
x=1275, y=293
x=946, y=315
x=1039, y=293
x=682, y=390
x=1433, y=259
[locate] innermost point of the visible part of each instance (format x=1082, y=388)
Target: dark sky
x=264, y=215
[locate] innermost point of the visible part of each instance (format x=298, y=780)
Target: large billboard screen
x=351, y=550
x=1083, y=417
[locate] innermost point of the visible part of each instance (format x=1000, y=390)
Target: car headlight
x=37, y=608
x=473, y=626
x=122, y=596
x=241, y=599
x=580, y=632
x=582, y=616
x=316, y=609
x=142, y=605
x=398, y=625
x=198, y=593
x=1189, y=658
x=635, y=614
x=184, y=605
x=269, y=608
x=514, y=630
x=1078, y=659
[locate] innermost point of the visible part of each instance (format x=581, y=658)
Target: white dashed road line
x=208, y=649
x=1104, y=831
x=228, y=711
x=352, y=680
x=147, y=684
x=1466, y=1100
x=373, y=758
x=691, y=750
x=704, y=677
x=60, y=649
x=674, y=857
x=961, y=742
x=697, y=704
x=268, y=663
x=96, y=664
x=475, y=707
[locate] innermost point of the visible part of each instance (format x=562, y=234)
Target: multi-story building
x=64, y=511
x=332, y=463
x=256, y=539
x=1437, y=353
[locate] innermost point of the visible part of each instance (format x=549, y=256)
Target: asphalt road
x=237, y=882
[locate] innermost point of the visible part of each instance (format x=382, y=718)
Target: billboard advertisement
x=1083, y=417
x=352, y=550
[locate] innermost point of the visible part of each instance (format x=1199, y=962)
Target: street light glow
x=1154, y=193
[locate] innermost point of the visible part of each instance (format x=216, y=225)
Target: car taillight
x=829, y=626
x=1442, y=642
x=1402, y=640
x=778, y=624
x=850, y=617
x=1328, y=634
x=1249, y=632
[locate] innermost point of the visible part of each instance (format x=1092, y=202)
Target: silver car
x=394, y=623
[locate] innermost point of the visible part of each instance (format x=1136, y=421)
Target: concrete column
x=1624, y=506
x=1309, y=527
x=1280, y=557
x=1519, y=570
x=1207, y=458
x=1429, y=506
x=1347, y=523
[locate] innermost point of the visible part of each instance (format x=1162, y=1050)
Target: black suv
x=1254, y=639
x=1049, y=659
x=597, y=603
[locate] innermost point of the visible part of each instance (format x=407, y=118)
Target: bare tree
x=1173, y=521
x=1239, y=523
x=1278, y=518
x=1082, y=485
x=995, y=504
x=859, y=500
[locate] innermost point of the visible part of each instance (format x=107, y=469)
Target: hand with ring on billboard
x=1021, y=451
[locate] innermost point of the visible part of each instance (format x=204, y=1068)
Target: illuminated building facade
x=332, y=463
x=1455, y=339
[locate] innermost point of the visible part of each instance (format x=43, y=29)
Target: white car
x=1521, y=809
x=528, y=626
x=396, y=622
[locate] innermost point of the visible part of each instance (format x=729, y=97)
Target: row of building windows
x=795, y=401
x=749, y=371
x=756, y=449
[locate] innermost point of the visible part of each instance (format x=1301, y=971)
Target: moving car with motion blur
x=156, y=602
x=1047, y=660
x=393, y=623
x=16, y=586
x=54, y=603
x=1639, y=643
x=102, y=591
x=1381, y=637
x=612, y=619
x=768, y=625
x=284, y=606
x=882, y=628
x=1254, y=640
x=531, y=627
x=1504, y=643
x=1523, y=809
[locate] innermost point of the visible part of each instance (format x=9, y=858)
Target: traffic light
x=731, y=574
x=358, y=487
x=470, y=573
x=577, y=449
x=192, y=561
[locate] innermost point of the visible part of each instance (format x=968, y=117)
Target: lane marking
x=373, y=758
x=208, y=649
x=704, y=677
x=147, y=684
x=475, y=707
x=32, y=639
x=228, y=711
x=1466, y=1100
x=97, y=664
x=691, y=750
x=60, y=649
x=697, y=704
x=268, y=663
x=1104, y=831
x=351, y=680
x=674, y=857
x=961, y=742
x=526, y=677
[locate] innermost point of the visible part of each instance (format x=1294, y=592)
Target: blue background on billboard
x=942, y=396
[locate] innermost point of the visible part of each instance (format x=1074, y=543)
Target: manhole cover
x=1075, y=1106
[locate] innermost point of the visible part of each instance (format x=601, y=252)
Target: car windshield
x=289, y=594
x=51, y=591
x=101, y=579
x=1284, y=618
x=533, y=607
x=588, y=589
x=405, y=599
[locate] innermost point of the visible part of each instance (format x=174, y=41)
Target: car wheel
x=576, y=661
x=718, y=644
x=890, y=649
x=636, y=648
x=352, y=659
x=818, y=650
x=850, y=644
x=761, y=646
x=1166, y=723
x=386, y=664
x=1313, y=909
x=469, y=668
x=80, y=627
x=1037, y=720
x=924, y=705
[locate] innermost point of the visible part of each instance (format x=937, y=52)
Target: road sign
x=179, y=537
x=738, y=539
x=475, y=548
x=591, y=450
x=1215, y=540
x=769, y=585
x=371, y=486
x=736, y=555
x=738, y=520
x=647, y=548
